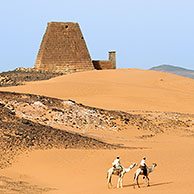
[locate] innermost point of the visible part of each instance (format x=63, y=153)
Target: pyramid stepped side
x=63, y=49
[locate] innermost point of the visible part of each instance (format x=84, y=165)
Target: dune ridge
x=122, y=89
x=151, y=100
x=18, y=135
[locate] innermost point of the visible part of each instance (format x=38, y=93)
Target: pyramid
x=63, y=49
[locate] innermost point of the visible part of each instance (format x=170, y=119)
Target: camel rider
x=117, y=164
x=143, y=166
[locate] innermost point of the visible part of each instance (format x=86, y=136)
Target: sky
x=144, y=33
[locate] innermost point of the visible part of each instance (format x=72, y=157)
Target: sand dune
x=60, y=171
x=78, y=171
x=122, y=89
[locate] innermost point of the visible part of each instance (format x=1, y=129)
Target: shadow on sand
x=151, y=185
x=158, y=184
x=9, y=186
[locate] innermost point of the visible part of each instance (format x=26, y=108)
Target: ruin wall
x=101, y=65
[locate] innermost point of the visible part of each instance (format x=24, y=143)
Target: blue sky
x=144, y=33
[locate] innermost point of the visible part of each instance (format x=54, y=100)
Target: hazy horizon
x=143, y=33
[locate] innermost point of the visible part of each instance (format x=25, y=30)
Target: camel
x=139, y=171
x=120, y=173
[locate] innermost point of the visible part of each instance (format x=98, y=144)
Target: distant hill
x=175, y=70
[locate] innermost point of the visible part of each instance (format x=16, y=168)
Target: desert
x=61, y=135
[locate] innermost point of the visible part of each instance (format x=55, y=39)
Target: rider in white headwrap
x=117, y=163
x=143, y=166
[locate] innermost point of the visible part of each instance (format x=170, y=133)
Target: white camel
x=139, y=171
x=120, y=173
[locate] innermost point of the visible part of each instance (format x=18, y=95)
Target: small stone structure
x=63, y=49
x=108, y=64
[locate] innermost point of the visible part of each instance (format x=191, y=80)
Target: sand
x=84, y=171
x=122, y=89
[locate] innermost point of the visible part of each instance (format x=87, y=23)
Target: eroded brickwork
x=106, y=64
x=112, y=58
x=101, y=65
x=63, y=49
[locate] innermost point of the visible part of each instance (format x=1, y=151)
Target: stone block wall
x=100, y=65
x=112, y=58
x=63, y=49
x=106, y=64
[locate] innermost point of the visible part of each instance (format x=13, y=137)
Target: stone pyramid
x=63, y=49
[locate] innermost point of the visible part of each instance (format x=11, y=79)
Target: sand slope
x=78, y=171
x=123, y=89
x=84, y=171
